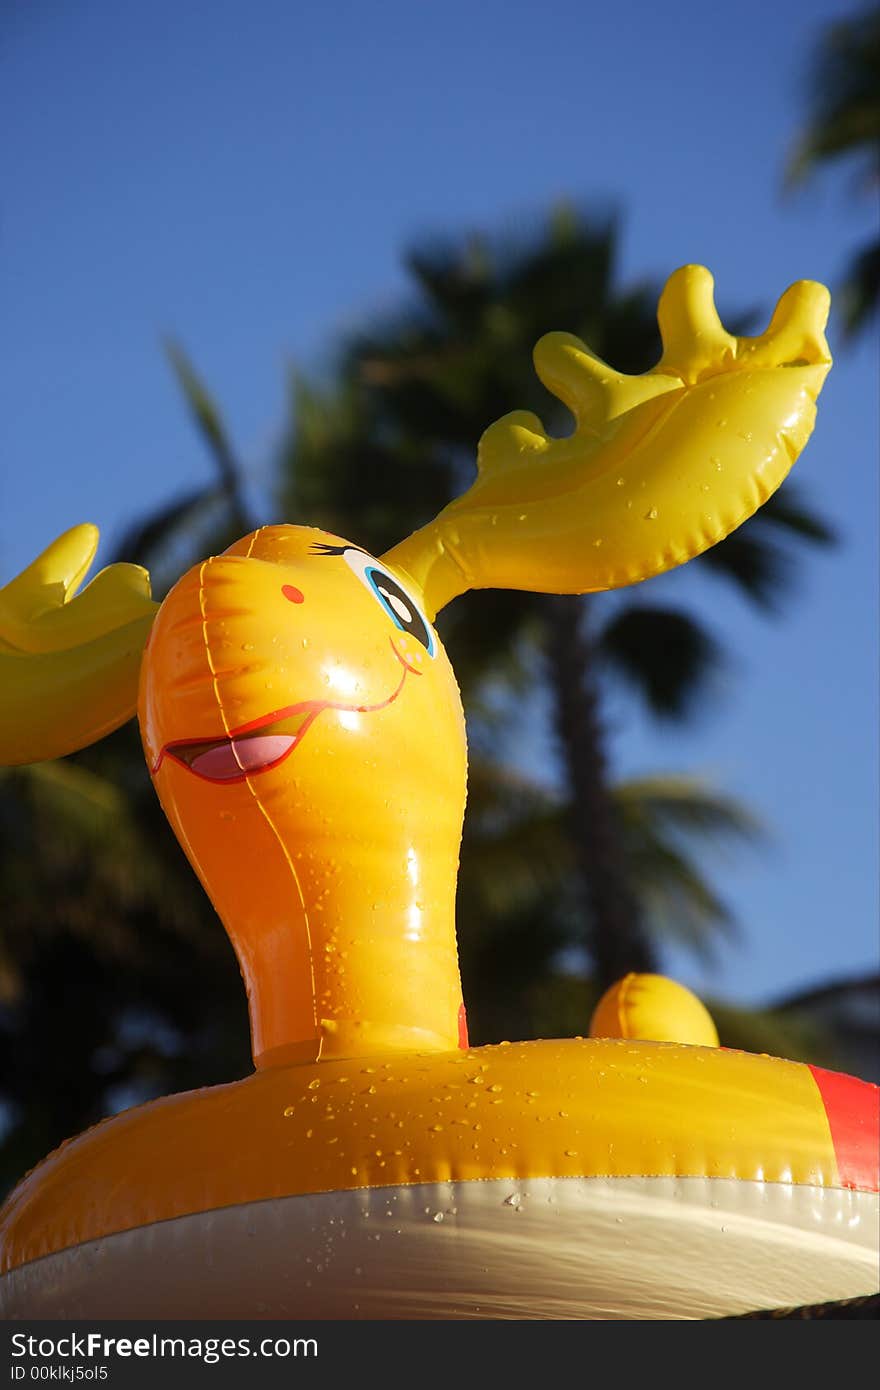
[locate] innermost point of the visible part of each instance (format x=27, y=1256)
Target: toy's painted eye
x=403, y=611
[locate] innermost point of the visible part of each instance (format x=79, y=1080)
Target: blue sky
x=245, y=178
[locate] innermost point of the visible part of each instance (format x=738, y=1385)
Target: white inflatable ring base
x=563, y=1248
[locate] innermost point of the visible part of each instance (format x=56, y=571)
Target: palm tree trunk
x=615, y=934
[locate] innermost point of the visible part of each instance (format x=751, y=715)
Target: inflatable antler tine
x=47, y=580
x=69, y=663
x=693, y=336
x=796, y=330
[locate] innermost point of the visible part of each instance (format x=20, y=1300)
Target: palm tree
x=844, y=122
x=378, y=452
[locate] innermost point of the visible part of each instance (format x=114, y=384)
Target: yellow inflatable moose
x=304, y=732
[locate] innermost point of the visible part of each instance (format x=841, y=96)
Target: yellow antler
x=659, y=467
x=69, y=665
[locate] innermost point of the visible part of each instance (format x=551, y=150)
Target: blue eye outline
x=385, y=589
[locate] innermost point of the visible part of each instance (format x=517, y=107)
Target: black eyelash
x=322, y=548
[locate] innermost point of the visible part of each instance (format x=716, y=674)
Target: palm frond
x=148, y=538
x=844, y=121
x=788, y=515
x=668, y=825
x=844, y=94
x=664, y=654
x=209, y=423
x=687, y=805
x=860, y=292
x=759, y=557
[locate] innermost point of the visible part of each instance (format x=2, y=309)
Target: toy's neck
x=343, y=922
x=361, y=957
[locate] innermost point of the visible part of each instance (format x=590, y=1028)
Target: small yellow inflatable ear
x=653, y=1009
x=659, y=467
x=69, y=664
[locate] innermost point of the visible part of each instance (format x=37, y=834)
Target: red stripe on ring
x=853, y=1110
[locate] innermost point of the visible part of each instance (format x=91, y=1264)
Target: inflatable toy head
x=312, y=726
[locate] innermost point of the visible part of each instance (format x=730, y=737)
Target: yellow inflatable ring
x=587, y=1178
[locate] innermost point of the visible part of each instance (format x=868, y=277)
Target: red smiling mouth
x=265, y=742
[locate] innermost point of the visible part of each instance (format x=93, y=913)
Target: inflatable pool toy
x=304, y=732
x=650, y=1006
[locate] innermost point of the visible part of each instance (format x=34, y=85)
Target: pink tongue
x=228, y=760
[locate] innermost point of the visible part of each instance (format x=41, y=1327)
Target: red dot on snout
x=291, y=592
